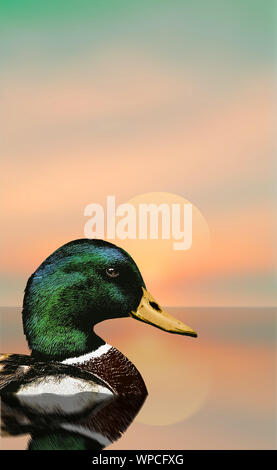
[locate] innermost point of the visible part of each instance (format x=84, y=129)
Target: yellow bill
x=149, y=311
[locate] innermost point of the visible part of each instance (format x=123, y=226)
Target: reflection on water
x=214, y=392
x=81, y=421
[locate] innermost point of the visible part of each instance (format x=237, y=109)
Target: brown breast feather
x=116, y=370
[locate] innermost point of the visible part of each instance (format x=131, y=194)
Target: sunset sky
x=166, y=101
x=127, y=98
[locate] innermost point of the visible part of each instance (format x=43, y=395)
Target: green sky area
x=175, y=30
x=251, y=15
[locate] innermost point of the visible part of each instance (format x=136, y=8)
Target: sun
x=165, y=269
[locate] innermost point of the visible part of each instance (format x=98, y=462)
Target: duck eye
x=112, y=272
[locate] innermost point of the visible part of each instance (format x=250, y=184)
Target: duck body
x=85, y=402
x=105, y=371
x=81, y=284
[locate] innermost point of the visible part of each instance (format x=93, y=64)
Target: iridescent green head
x=79, y=285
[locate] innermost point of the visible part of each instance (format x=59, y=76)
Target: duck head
x=81, y=284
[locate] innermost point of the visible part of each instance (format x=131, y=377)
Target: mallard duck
x=79, y=285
